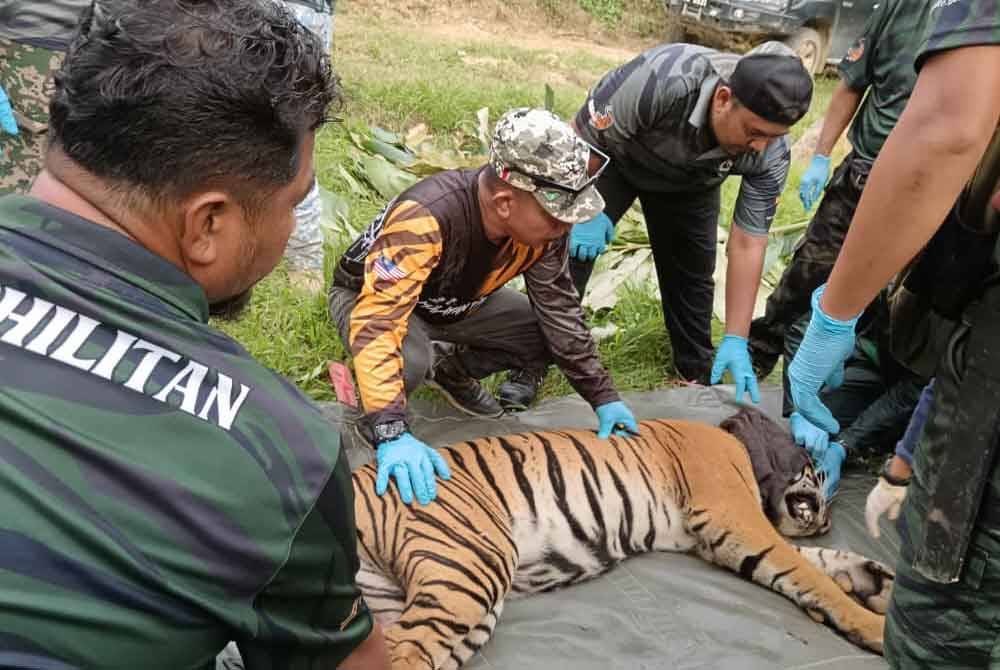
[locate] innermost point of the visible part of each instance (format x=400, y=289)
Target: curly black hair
x=163, y=97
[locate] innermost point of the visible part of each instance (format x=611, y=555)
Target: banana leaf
x=385, y=177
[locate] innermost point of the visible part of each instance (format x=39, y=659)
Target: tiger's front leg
x=741, y=538
x=867, y=582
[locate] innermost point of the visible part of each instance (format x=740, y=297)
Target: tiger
x=532, y=512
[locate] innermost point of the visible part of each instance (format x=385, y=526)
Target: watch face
x=389, y=431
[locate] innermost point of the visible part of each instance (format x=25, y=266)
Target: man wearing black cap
x=676, y=121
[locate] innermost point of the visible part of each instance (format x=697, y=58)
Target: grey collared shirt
x=651, y=116
x=48, y=25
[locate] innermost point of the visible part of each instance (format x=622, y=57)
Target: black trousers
x=810, y=266
x=683, y=231
x=501, y=335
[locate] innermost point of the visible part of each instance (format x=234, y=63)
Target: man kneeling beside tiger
x=531, y=512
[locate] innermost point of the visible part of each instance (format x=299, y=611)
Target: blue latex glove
x=734, y=356
x=7, y=122
x=813, y=180
x=612, y=415
x=412, y=464
x=829, y=467
x=590, y=239
x=814, y=439
x=820, y=359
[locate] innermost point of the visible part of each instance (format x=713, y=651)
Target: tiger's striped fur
x=532, y=512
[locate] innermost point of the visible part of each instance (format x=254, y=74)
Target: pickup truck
x=820, y=31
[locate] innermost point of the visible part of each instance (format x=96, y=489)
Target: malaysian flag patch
x=387, y=270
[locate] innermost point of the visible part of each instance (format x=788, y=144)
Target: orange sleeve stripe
x=519, y=258
x=399, y=263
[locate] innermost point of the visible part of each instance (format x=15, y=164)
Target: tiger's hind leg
x=384, y=596
x=475, y=640
x=452, y=601
x=455, y=561
x=739, y=537
x=867, y=582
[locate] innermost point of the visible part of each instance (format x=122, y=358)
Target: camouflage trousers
x=949, y=626
x=810, y=265
x=304, y=252
x=26, y=74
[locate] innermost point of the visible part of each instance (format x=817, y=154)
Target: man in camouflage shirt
x=305, y=247
x=433, y=267
x=677, y=121
x=33, y=37
x=876, y=78
x=163, y=492
x=944, y=607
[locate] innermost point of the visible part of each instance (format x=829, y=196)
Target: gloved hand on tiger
x=820, y=360
x=615, y=416
x=413, y=465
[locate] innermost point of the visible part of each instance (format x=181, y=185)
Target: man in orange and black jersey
x=420, y=295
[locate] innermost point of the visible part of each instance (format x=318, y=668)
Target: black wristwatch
x=894, y=481
x=390, y=430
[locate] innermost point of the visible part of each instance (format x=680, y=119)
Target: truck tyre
x=810, y=47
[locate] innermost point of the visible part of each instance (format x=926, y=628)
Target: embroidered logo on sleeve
x=600, y=120
x=855, y=53
x=388, y=270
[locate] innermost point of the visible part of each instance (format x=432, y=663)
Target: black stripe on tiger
x=627, y=525
x=719, y=541
x=585, y=457
x=749, y=564
x=487, y=472
x=516, y=459
x=597, y=548
x=494, y=557
x=487, y=586
x=781, y=575
x=488, y=575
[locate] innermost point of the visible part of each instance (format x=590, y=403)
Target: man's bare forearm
x=919, y=174
x=746, y=262
x=843, y=106
x=372, y=654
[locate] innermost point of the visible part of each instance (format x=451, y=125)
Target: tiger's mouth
x=803, y=507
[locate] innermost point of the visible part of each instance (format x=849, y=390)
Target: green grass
x=395, y=77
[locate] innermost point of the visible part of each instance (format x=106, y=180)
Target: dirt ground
x=519, y=23
x=523, y=24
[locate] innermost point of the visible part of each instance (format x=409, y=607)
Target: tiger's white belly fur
x=551, y=554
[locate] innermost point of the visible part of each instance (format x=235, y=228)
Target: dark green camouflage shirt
x=952, y=462
x=162, y=492
x=881, y=63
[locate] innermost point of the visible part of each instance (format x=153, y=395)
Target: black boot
x=461, y=389
x=520, y=389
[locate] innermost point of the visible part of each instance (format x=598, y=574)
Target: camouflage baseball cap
x=536, y=151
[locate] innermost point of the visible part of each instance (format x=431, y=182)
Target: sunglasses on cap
x=554, y=190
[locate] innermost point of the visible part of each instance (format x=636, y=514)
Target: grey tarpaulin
x=660, y=610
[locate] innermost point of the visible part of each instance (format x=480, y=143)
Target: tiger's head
x=791, y=491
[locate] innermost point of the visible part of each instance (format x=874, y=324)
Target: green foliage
x=608, y=12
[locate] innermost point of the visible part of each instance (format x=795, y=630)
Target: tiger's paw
x=868, y=582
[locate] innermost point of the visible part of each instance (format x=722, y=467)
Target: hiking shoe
x=462, y=390
x=521, y=388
